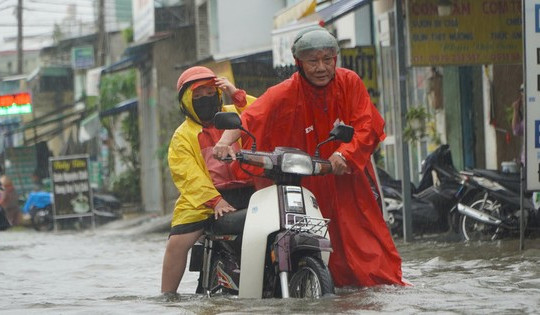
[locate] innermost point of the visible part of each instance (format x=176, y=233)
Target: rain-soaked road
x=118, y=272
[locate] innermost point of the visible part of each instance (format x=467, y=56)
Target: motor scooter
x=279, y=246
x=4, y=223
x=433, y=199
x=39, y=205
x=493, y=208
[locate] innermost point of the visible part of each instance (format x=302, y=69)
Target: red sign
x=15, y=99
x=6, y=100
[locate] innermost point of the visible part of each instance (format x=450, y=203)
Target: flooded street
x=118, y=271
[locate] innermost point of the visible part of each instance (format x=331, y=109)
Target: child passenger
x=207, y=186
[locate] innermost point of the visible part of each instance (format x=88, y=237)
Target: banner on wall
x=475, y=32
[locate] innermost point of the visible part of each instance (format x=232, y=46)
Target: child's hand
x=226, y=86
x=221, y=208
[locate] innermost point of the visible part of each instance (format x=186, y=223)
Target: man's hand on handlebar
x=339, y=165
x=222, y=150
x=221, y=208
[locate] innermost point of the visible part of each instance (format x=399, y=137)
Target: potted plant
x=415, y=123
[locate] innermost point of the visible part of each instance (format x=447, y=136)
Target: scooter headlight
x=296, y=164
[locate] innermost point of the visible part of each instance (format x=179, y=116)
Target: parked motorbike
x=278, y=247
x=431, y=201
x=493, y=210
x=4, y=223
x=40, y=208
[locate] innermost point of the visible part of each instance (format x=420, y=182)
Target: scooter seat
x=509, y=180
x=231, y=223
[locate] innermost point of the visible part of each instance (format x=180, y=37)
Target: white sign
x=282, y=40
x=531, y=66
x=143, y=19
x=92, y=81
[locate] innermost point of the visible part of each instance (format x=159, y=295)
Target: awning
x=50, y=119
x=10, y=121
x=123, y=64
x=240, y=54
x=283, y=37
x=45, y=125
x=294, y=12
x=339, y=9
x=126, y=105
x=56, y=71
x=134, y=54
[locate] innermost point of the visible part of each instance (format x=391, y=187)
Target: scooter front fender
x=262, y=219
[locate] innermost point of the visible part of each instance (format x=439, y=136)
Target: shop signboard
x=363, y=61
x=82, y=57
x=144, y=23
x=71, y=186
x=531, y=66
x=474, y=32
x=15, y=104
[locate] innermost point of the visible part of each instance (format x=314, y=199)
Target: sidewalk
x=139, y=223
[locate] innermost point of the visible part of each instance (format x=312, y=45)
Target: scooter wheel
x=42, y=219
x=474, y=230
x=310, y=279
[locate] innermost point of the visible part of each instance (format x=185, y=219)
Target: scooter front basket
x=304, y=223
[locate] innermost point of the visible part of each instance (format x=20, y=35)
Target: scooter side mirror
x=342, y=132
x=228, y=120
x=225, y=120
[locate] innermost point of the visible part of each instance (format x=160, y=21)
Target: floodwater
x=117, y=271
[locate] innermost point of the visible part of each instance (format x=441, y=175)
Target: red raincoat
x=297, y=114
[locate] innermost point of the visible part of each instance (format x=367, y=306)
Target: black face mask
x=206, y=107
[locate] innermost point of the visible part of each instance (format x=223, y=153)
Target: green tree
x=57, y=35
x=115, y=88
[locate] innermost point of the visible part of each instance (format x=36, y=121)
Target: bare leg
x=175, y=260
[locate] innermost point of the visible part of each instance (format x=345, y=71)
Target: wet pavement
x=116, y=269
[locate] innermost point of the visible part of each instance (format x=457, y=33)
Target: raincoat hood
x=186, y=105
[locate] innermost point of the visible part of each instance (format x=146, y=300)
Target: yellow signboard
x=222, y=69
x=362, y=60
x=475, y=32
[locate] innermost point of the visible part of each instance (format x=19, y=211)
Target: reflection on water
x=112, y=273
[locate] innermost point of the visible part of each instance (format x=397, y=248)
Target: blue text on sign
x=537, y=133
x=537, y=17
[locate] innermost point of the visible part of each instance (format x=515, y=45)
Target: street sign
x=71, y=186
x=531, y=105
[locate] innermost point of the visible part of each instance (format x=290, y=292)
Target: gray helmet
x=315, y=37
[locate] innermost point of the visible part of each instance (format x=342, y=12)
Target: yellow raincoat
x=188, y=168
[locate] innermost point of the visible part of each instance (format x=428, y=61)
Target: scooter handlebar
x=229, y=158
x=268, y=160
x=322, y=167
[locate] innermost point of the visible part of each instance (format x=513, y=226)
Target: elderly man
x=300, y=112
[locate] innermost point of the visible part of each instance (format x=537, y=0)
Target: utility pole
x=100, y=33
x=19, y=38
x=405, y=169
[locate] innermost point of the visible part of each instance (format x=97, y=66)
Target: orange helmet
x=193, y=74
